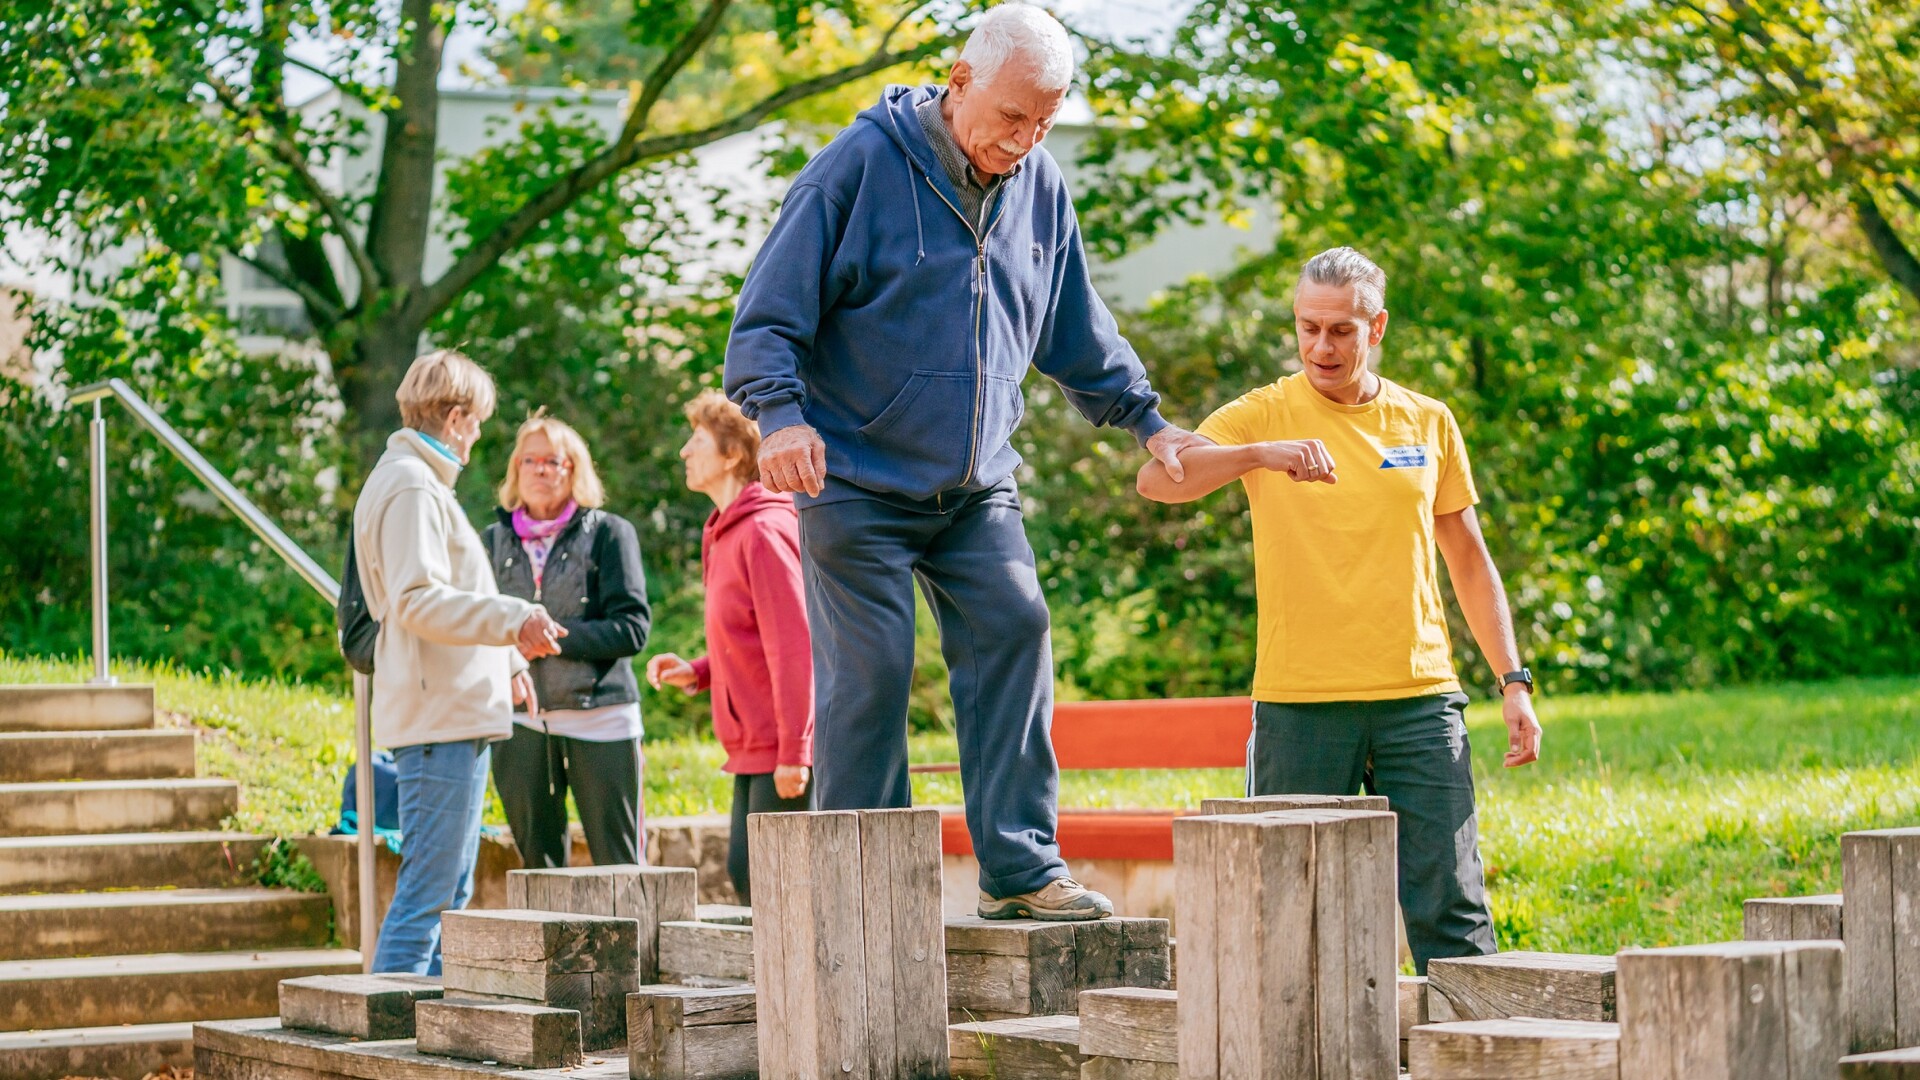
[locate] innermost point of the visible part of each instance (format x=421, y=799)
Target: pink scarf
x=536, y=536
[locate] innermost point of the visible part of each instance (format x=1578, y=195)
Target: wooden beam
x=1267, y=804
x=363, y=1006
x=1520, y=1047
x=1552, y=986
x=712, y=950
x=1130, y=1022
x=1412, y=1008
x=553, y=941
x=649, y=895
x=1880, y=879
x=1287, y=943
x=685, y=1033
x=1027, y=1047
x=530, y=1036
x=1794, y=918
x=1755, y=1010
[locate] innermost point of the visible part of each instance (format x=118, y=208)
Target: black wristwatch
x=1521, y=676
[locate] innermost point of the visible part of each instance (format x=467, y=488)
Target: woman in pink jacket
x=759, y=661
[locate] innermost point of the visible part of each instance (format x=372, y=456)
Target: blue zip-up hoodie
x=874, y=314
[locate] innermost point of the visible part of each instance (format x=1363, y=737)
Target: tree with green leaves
x=160, y=137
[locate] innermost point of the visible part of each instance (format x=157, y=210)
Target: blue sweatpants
x=970, y=555
x=443, y=788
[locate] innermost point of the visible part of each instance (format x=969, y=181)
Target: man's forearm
x=1209, y=468
x=1483, y=600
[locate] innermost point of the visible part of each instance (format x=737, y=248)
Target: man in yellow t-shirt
x=1353, y=482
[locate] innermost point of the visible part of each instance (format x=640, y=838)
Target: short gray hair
x=1022, y=30
x=1345, y=266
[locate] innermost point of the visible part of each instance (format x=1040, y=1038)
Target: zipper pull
x=980, y=265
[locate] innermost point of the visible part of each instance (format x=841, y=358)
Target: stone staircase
x=125, y=914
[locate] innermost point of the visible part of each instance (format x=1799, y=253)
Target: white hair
x=1025, y=31
x=1345, y=266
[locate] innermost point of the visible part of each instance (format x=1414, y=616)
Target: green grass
x=1648, y=821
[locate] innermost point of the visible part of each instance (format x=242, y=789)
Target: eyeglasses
x=546, y=464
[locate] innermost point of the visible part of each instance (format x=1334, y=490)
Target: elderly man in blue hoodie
x=921, y=263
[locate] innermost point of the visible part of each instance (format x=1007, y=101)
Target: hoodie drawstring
x=919, y=226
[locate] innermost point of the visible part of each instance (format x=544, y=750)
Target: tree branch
x=479, y=257
x=1893, y=252
x=1907, y=192
x=294, y=158
x=663, y=72
x=335, y=81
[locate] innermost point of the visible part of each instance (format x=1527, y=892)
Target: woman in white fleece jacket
x=448, y=666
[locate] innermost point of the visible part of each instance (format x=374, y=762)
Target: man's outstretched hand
x=1523, y=728
x=1166, y=446
x=792, y=460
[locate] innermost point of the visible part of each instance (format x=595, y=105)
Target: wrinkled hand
x=523, y=694
x=540, y=635
x=1166, y=446
x=1304, y=460
x=793, y=459
x=673, y=671
x=791, y=780
x=1523, y=728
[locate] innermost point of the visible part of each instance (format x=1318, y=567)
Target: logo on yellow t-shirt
x=1404, y=457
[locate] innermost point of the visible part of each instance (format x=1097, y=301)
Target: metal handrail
x=283, y=546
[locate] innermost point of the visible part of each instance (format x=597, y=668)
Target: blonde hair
x=586, y=483
x=732, y=432
x=436, y=383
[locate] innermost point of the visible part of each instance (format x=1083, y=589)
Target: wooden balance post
x=1750, y=1010
x=543, y=958
x=1880, y=878
x=649, y=895
x=849, y=957
x=1287, y=951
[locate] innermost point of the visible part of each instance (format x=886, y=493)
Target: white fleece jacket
x=445, y=653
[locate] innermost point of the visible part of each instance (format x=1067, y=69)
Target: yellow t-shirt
x=1350, y=606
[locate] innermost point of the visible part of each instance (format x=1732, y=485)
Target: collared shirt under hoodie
x=976, y=193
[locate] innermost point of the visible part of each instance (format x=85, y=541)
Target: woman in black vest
x=553, y=545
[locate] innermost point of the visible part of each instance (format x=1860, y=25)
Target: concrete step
x=115, y=806
x=113, y=1053
x=157, y=988
x=64, y=864
x=53, y=925
x=30, y=756
x=75, y=708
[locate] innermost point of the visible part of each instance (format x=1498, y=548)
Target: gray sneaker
x=1060, y=900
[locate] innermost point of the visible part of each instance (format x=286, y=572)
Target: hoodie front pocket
x=923, y=439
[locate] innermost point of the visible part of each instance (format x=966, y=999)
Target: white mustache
x=1011, y=149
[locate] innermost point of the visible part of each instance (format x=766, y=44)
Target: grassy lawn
x=1650, y=818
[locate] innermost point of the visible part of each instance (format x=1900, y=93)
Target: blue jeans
x=969, y=555
x=443, y=787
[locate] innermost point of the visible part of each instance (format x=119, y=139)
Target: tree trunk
x=369, y=374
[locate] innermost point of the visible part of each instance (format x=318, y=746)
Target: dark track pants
x=1414, y=751
x=754, y=793
x=533, y=772
x=971, y=558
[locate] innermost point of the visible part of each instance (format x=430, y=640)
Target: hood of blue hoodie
x=875, y=314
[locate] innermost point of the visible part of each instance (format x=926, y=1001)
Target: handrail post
x=97, y=541
x=369, y=876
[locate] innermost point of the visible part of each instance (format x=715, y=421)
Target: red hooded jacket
x=759, y=661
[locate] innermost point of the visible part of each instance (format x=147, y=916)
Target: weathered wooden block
x=1130, y=1022
x=649, y=895
x=547, y=940
x=1287, y=945
x=688, y=1033
x=363, y=1006
x=1412, y=1007
x=1548, y=986
x=1793, y=918
x=1106, y=1068
x=1012, y=967
x=1022, y=1047
x=1267, y=804
x=1752, y=1010
x=707, y=950
x=1518, y=1047
x=598, y=996
x=530, y=1036
x=1901, y=1064
x=730, y=914
x=1880, y=878
x=849, y=959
